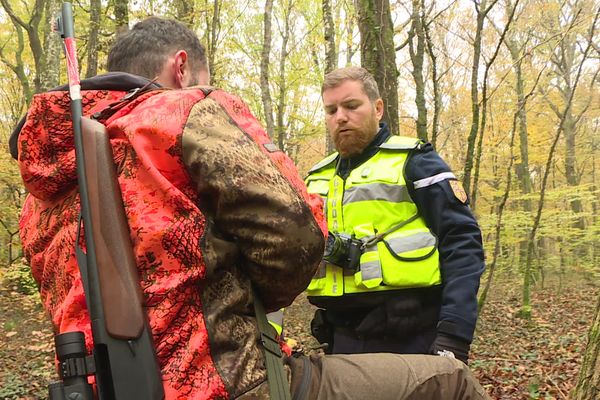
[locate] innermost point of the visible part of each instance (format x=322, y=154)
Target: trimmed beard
x=353, y=145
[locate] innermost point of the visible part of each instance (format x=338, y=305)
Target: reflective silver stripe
x=370, y=270
x=376, y=191
x=421, y=183
x=400, y=146
x=326, y=161
x=413, y=242
x=276, y=317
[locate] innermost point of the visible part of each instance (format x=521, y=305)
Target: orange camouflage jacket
x=212, y=206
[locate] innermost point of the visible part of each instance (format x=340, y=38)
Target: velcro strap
x=270, y=344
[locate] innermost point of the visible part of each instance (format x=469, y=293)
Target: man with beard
x=404, y=256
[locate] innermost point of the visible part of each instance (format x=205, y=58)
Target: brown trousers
x=384, y=376
x=377, y=376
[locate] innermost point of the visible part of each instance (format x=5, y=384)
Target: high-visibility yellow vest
x=373, y=200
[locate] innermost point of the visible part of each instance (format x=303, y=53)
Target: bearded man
x=404, y=258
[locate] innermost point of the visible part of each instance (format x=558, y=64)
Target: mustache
x=344, y=128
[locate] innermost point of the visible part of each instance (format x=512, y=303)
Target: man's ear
x=379, y=108
x=181, y=68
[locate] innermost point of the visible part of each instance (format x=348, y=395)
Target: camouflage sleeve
x=252, y=204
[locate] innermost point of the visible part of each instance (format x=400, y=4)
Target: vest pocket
x=410, y=259
x=318, y=186
x=369, y=274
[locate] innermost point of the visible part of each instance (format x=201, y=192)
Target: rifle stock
x=123, y=350
x=117, y=273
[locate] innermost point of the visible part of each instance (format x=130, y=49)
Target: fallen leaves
x=512, y=358
x=538, y=359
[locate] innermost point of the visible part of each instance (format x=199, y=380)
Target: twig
x=564, y=396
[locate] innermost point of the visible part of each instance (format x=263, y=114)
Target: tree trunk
x=212, y=31
x=18, y=67
x=184, y=12
x=50, y=73
x=498, y=229
x=264, y=70
x=564, y=67
x=417, y=56
x=92, y=44
x=497, y=244
x=329, y=36
x=281, y=101
x=435, y=81
x=485, y=99
x=588, y=383
x=349, y=34
x=571, y=167
x=482, y=10
x=594, y=189
x=522, y=168
x=378, y=54
x=565, y=61
x=121, y=16
x=330, y=53
x=32, y=29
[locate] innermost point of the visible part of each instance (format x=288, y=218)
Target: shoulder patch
x=459, y=191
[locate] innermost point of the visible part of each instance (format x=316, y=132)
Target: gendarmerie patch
x=459, y=191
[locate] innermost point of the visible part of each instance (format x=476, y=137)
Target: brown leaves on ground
x=26, y=347
x=538, y=359
x=512, y=358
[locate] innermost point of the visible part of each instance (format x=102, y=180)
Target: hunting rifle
x=123, y=360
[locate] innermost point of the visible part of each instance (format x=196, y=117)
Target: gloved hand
x=446, y=343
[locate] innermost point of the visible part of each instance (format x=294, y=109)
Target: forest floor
x=512, y=358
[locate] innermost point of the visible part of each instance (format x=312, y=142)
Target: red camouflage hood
x=43, y=142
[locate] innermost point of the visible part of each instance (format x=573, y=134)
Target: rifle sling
x=279, y=388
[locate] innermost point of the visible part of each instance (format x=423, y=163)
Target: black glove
x=443, y=344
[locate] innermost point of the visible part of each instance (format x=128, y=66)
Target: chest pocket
x=318, y=186
x=382, y=170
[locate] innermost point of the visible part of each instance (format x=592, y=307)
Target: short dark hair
x=144, y=49
x=338, y=76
